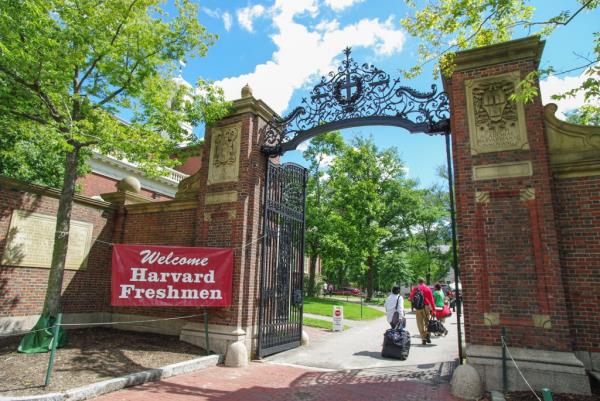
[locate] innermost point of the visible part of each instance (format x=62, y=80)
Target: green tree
x=585, y=115
x=429, y=243
x=29, y=154
x=370, y=197
x=445, y=26
x=67, y=66
x=318, y=222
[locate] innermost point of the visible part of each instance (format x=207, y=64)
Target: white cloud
x=324, y=177
x=303, y=53
x=554, y=85
x=245, y=16
x=303, y=146
x=212, y=13
x=225, y=16
x=327, y=26
x=339, y=5
x=227, y=21
x=325, y=160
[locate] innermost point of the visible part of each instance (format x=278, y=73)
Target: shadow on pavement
x=427, y=382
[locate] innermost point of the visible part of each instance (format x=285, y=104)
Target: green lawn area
x=380, y=301
x=324, y=307
x=323, y=324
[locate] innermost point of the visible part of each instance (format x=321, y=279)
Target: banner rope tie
x=64, y=234
x=82, y=325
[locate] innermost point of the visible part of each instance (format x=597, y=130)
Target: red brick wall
x=191, y=165
x=229, y=225
x=93, y=184
x=507, y=246
x=240, y=231
x=22, y=290
x=578, y=211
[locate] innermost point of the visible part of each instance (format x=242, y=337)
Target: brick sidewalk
x=271, y=382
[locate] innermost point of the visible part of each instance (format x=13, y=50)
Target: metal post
x=547, y=394
x=457, y=291
x=206, y=331
x=55, y=330
x=263, y=267
x=361, y=306
x=504, y=372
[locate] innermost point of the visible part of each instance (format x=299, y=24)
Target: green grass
x=324, y=307
x=322, y=324
x=381, y=301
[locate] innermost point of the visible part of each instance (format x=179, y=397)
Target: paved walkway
x=343, y=366
x=273, y=382
x=360, y=347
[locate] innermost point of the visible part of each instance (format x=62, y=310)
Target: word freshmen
x=142, y=274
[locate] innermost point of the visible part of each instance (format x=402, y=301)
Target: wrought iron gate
x=280, y=315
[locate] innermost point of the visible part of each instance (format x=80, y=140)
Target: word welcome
x=155, y=257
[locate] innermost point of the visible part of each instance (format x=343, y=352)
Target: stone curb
x=134, y=379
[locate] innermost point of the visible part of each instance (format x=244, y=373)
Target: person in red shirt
x=422, y=300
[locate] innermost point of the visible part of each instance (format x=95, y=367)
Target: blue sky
x=282, y=47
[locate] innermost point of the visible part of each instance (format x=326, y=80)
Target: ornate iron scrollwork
x=356, y=95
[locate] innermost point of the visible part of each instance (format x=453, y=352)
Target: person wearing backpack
x=395, y=303
x=421, y=299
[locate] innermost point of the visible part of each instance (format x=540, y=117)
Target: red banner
x=144, y=275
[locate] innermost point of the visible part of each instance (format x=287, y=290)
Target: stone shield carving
x=495, y=122
x=224, y=161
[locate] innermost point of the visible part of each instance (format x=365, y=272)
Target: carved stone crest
x=225, y=147
x=495, y=122
x=224, y=160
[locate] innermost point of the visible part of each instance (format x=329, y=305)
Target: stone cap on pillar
x=248, y=104
x=527, y=48
x=128, y=192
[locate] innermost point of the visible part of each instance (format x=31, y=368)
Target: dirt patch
x=92, y=355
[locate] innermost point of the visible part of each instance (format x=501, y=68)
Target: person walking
x=422, y=300
x=394, y=303
x=440, y=305
x=439, y=299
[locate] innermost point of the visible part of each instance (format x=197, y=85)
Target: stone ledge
x=134, y=379
x=17, y=185
x=513, y=50
x=574, y=149
x=164, y=206
x=560, y=371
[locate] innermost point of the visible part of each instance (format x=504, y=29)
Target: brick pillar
x=511, y=274
x=229, y=188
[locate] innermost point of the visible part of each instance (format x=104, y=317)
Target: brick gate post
x=511, y=275
x=229, y=187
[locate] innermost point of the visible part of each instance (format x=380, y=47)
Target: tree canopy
x=67, y=67
x=446, y=26
x=369, y=223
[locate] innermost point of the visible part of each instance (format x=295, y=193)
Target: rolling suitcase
x=436, y=327
x=396, y=344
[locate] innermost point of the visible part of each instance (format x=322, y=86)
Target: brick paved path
x=273, y=382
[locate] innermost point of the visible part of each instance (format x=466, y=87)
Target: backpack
x=418, y=299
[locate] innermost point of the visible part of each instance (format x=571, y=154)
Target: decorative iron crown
x=356, y=96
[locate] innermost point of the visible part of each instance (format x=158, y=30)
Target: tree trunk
x=370, y=277
x=312, y=269
x=61, y=236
